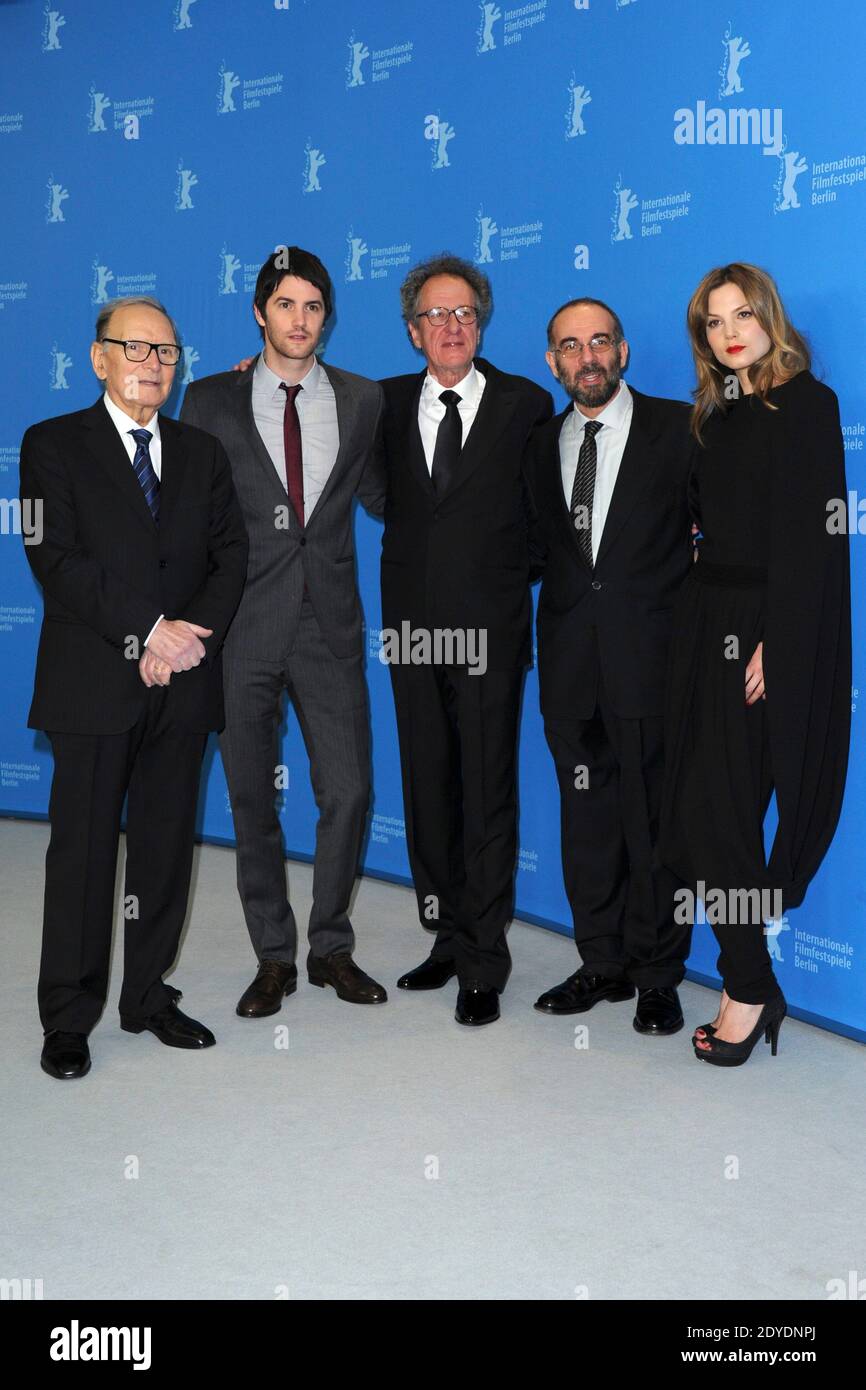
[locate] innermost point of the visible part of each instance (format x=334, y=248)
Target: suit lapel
x=256, y=443
x=492, y=418
x=411, y=432
x=172, y=471
x=106, y=446
x=557, y=504
x=346, y=415
x=636, y=470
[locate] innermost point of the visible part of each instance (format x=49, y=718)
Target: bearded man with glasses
x=142, y=558
x=609, y=483
x=455, y=566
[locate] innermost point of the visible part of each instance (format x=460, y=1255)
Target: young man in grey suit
x=302, y=441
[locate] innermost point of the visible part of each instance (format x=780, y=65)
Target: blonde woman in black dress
x=759, y=693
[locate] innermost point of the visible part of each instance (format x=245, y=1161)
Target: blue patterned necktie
x=144, y=471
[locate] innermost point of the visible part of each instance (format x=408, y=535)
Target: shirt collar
x=615, y=414
x=124, y=423
x=469, y=388
x=268, y=380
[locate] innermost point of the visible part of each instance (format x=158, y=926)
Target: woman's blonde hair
x=787, y=355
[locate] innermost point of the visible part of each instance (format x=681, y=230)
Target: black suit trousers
x=458, y=751
x=610, y=772
x=159, y=766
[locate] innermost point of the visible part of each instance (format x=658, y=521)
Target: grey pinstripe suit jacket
x=283, y=557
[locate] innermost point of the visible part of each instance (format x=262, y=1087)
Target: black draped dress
x=771, y=569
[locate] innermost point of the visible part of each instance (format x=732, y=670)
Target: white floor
x=387, y=1153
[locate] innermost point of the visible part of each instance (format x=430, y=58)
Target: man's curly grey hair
x=446, y=264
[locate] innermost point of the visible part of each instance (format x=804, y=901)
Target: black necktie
x=144, y=470
x=449, y=441
x=583, y=489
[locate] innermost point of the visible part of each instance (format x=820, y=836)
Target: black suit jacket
x=613, y=620
x=108, y=571
x=461, y=560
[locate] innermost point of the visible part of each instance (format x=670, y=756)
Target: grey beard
x=596, y=395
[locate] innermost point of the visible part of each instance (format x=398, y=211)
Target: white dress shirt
x=610, y=445
x=123, y=424
x=431, y=411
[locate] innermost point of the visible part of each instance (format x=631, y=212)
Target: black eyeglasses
x=464, y=313
x=135, y=351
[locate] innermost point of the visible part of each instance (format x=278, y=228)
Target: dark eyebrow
x=596, y=333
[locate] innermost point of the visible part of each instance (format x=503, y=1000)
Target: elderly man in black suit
x=142, y=562
x=456, y=624
x=609, y=479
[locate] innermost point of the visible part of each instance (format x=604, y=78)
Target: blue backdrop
x=617, y=148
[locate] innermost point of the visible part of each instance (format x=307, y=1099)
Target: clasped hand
x=152, y=670
x=173, y=646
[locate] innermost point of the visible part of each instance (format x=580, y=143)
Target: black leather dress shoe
x=477, y=1003
x=172, y=1027
x=265, y=995
x=580, y=992
x=658, y=1011
x=432, y=973
x=65, y=1055
x=347, y=978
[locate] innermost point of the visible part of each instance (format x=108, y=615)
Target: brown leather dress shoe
x=347, y=978
x=265, y=995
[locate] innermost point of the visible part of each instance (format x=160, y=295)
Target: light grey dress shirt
x=317, y=413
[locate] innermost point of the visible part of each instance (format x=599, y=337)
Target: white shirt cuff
x=153, y=629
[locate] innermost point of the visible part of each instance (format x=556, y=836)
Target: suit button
x=596, y=585
x=302, y=540
x=162, y=564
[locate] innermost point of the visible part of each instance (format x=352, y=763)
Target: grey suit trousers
x=329, y=696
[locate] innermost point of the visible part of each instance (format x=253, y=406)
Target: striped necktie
x=144, y=471
x=583, y=489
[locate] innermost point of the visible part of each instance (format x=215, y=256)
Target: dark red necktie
x=294, y=457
